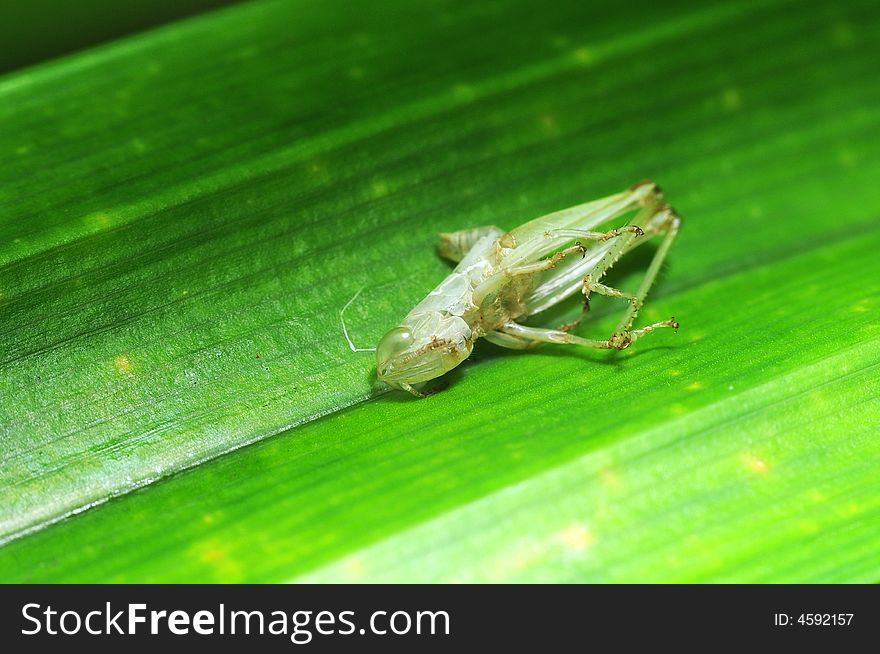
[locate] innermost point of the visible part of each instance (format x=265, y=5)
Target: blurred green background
x=184, y=211
x=32, y=31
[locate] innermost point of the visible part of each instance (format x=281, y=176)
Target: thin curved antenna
x=345, y=329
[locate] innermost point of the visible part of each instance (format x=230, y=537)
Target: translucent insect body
x=504, y=277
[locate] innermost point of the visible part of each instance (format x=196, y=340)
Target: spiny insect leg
x=585, y=309
x=596, y=236
x=595, y=287
x=670, y=226
x=620, y=340
x=602, y=289
x=563, y=235
x=547, y=264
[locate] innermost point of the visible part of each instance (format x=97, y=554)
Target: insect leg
x=620, y=340
x=574, y=324
x=563, y=235
x=554, y=260
x=410, y=389
x=590, y=286
x=454, y=245
x=536, y=335
x=596, y=236
x=547, y=264
x=510, y=340
x=442, y=386
x=568, y=278
x=531, y=239
x=670, y=226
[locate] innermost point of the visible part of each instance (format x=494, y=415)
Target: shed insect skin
x=502, y=278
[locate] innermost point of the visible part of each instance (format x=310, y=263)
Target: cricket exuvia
x=501, y=278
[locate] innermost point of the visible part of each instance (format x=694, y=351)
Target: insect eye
x=394, y=343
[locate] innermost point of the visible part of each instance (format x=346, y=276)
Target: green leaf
x=38, y=30
x=183, y=214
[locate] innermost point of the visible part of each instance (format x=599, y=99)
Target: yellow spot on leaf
x=356, y=72
x=863, y=306
x=583, y=56
x=214, y=554
x=210, y=518
x=379, y=188
x=694, y=386
x=99, y=220
x=847, y=158
x=354, y=566
x=464, y=92
x=123, y=364
x=731, y=99
x=548, y=124
x=22, y=149
x=575, y=538
x=843, y=34
x=609, y=477
x=674, y=373
x=756, y=464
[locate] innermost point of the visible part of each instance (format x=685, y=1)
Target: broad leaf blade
x=186, y=214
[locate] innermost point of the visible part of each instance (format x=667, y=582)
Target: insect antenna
x=345, y=329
